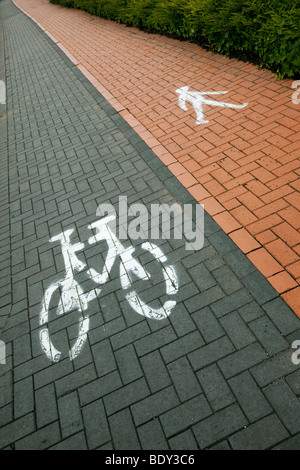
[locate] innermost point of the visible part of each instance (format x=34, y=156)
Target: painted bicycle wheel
x=69, y=298
x=131, y=268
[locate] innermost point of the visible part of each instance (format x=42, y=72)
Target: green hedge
x=264, y=31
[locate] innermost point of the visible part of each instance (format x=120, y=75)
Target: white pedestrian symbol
x=197, y=99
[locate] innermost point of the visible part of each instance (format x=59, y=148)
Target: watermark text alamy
x=136, y=222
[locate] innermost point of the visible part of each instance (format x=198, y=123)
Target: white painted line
x=2, y=92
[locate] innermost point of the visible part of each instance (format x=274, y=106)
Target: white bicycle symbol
x=72, y=296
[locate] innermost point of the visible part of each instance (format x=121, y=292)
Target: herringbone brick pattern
x=217, y=373
x=244, y=166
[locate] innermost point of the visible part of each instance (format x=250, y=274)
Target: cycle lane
x=217, y=373
x=244, y=166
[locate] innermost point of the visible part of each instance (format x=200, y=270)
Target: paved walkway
x=243, y=165
x=217, y=373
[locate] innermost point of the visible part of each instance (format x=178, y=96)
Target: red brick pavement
x=244, y=165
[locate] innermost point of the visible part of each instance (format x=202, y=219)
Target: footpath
x=243, y=165
x=107, y=347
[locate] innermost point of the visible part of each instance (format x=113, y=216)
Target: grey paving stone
x=241, y=266
x=285, y=404
x=182, y=346
x=155, y=371
x=251, y=312
x=110, y=307
x=105, y=331
x=251, y=399
x=123, y=431
x=293, y=443
x=104, y=358
x=128, y=395
x=46, y=405
x=259, y=287
x=293, y=381
x=211, y=353
x=231, y=302
x=242, y=360
x=218, y=426
x=152, y=437
x=6, y=414
x=22, y=349
x=100, y=387
x=204, y=299
x=184, y=441
x=74, y=381
x=237, y=330
x=69, y=414
x=19, y=292
x=96, y=425
x=208, y=325
x=6, y=389
x=43, y=374
x=221, y=446
x=186, y=292
x=40, y=440
x=76, y=442
x=24, y=397
x=202, y=277
x=294, y=336
x=12, y=332
x=154, y=405
x=227, y=280
x=215, y=387
x=107, y=446
x=274, y=368
x=182, y=321
x=184, y=416
x=16, y=430
x=268, y=335
x=128, y=364
x=154, y=341
x=207, y=253
x=280, y=314
x=222, y=243
x=184, y=379
x=260, y=436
